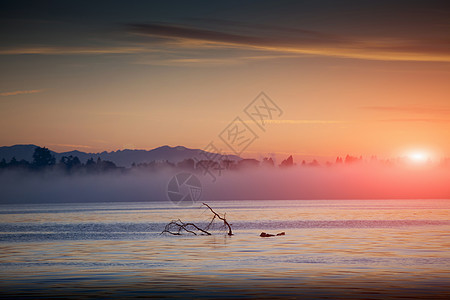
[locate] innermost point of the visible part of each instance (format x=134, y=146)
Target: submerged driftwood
x=216, y=215
x=263, y=234
x=177, y=227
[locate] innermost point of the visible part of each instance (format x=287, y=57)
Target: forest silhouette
x=44, y=160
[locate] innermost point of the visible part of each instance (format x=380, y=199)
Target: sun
x=418, y=157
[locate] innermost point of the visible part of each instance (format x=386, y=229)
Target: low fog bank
x=338, y=182
x=56, y=187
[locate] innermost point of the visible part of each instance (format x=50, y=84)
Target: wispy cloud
x=47, y=50
x=297, y=41
x=201, y=36
x=409, y=109
x=14, y=93
x=306, y=122
x=300, y=122
x=270, y=41
x=416, y=120
x=118, y=113
x=208, y=61
x=71, y=146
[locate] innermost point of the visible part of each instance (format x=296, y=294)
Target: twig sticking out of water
x=176, y=227
x=219, y=217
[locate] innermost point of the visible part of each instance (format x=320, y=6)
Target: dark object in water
x=263, y=234
x=176, y=227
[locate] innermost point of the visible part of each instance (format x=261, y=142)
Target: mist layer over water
x=337, y=182
x=332, y=248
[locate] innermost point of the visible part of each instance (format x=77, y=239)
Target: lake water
x=332, y=249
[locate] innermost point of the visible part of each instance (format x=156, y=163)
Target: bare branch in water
x=176, y=227
x=221, y=218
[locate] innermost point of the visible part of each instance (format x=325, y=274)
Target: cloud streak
x=14, y=93
x=269, y=41
x=47, y=50
x=297, y=41
x=409, y=109
x=416, y=120
x=209, y=61
x=71, y=146
x=294, y=122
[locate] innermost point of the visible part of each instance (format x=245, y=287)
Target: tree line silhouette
x=43, y=159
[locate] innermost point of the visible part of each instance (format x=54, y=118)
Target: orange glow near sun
x=418, y=156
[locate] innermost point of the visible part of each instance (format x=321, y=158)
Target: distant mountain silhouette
x=18, y=151
x=122, y=158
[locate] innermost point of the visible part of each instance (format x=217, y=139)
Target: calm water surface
x=332, y=249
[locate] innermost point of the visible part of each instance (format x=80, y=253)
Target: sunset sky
x=357, y=77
